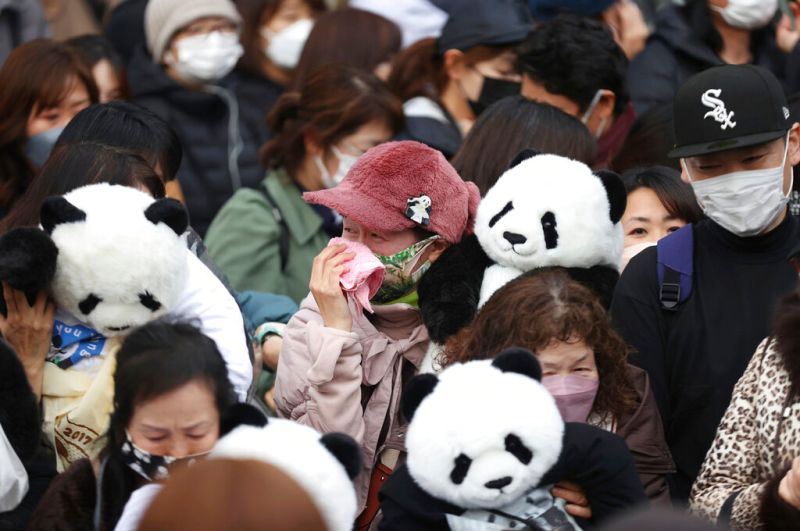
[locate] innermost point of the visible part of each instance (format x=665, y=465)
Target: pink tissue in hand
x=364, y=275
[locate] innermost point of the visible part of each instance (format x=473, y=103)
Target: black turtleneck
x=695, y=355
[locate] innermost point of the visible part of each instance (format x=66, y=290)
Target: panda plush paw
x=449, y=291
x=27, y=262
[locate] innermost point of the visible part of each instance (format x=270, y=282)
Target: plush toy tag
x=73, y=343
x=364, y=276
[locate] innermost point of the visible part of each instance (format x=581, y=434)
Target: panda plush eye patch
x=459, y=472
x=89, y=303
x=497, y=217
x=515, y=447
x=149, y=302
x=549, y=229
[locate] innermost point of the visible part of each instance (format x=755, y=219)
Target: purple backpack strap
x=675, y=267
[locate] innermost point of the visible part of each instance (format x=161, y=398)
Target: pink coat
x=350, y=382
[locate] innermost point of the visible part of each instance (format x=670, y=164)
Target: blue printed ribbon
x=87, y=342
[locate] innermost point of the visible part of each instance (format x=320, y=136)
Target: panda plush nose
x=514, y=238
x=498, y=483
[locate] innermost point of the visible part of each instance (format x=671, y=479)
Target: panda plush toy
x=485, y=445
x=113, y=258
x=545, y=211
x=323, y=465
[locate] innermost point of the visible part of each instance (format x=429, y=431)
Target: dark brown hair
x=36, y=75
x=333, y=103
x=676, y=196
x=256, y=13
x=787, y=335
x=419, y=69
x=348, y=36
x=533, y=311
x=78, y=164
x=512, y=125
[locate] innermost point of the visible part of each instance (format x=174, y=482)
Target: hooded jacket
x=220, y=138
x=674, y=53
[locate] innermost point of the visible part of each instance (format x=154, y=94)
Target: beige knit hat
x=162, y=18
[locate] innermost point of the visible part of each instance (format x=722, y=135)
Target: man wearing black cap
x=696, y=324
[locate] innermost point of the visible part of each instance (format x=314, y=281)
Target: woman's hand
x=628, y=26
x=577, y=503
x=789, y=488
x=328, y=266
x=785, y=37
x=29, y=330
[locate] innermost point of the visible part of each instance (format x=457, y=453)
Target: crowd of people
x=222, y=215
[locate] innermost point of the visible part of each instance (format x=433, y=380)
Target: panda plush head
x=548, y=210
x=482, y=433
x=323, y=465
x=121, y=260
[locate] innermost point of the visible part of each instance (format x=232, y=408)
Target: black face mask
x=493, y=90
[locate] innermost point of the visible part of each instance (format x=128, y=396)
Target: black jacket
x=213, y=126
x=696, y=354
x=674, y=53
x=595, y=459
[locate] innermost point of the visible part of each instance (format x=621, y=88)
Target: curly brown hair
x=532, y=312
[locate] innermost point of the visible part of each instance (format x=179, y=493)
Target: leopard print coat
x=758, y=436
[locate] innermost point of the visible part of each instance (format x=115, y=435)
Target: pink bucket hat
x=400, y=185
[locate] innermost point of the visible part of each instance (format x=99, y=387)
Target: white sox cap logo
x=718, y=112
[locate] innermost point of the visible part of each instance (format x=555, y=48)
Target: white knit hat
x=162, y=18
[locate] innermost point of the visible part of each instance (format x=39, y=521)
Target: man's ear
x=437, y=248
x=605, y=106
x=454, y=64
x=684, y=173
x=794, y=145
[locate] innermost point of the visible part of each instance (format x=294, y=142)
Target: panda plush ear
x=345, y=450
x=57, y=210
x=520, y=361
x=615, y=189
x=523, y=155
x=415, y=392
x=170, y=212
x=241, y=415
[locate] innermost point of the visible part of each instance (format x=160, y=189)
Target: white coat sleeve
x=13, y=478
x=137, y=506
x=206, y=302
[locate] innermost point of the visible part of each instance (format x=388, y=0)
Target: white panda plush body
x=494, y=467
x=546, y=211
x=485, y=443
x=323, y=465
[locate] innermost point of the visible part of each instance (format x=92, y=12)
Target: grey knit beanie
x=162, y=18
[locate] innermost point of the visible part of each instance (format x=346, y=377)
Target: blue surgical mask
x=39, y=146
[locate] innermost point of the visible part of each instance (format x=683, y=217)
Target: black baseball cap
x=728, y=107
x=485, y=22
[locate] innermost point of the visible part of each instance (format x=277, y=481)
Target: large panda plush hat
x=323, y=465
x=482, y=433
x=547, y=210
x=121, y=260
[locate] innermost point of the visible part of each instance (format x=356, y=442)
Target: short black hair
x=575, y=57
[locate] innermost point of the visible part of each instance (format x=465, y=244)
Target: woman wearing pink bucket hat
x=342, y=369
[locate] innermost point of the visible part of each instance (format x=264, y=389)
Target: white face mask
x=601, y=128
x=346, y=162
x=632, y=250
x=748, y=14
x=207, y=58
x=743, y=202
x=284, y=47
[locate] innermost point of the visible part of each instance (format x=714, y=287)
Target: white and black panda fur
x=485, y=444
x=545, y=211
x=115, y=291
x=490, y=464
x=323, y=465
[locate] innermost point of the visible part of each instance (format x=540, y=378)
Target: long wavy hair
x=536, y=310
